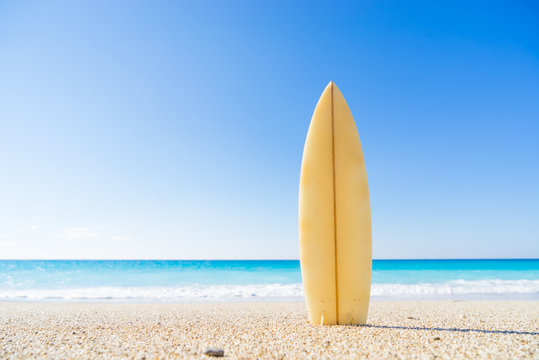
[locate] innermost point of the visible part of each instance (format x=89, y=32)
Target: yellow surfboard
x=334, y=216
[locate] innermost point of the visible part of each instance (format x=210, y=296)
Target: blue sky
x=176, y=129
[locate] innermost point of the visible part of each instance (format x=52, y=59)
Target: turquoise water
x=238, y=279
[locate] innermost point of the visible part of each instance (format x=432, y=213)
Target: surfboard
x=335, y=234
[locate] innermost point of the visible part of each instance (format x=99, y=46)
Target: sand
x=407, y=330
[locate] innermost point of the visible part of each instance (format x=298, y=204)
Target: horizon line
x=168, y=259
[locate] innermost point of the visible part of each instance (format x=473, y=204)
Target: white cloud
x=80, y=233
x=34, y=227
x=121, y=238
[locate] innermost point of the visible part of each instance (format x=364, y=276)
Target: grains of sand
x=395, y=330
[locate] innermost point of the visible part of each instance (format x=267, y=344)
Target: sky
x=175, y=130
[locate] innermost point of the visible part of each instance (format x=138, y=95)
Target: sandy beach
x=423, y=330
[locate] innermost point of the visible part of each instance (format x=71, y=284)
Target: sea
x=256, y=280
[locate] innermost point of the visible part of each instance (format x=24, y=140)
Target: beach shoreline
x=271, y=299
x=267, y=330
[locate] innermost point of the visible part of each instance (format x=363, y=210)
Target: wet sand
x=421, y=330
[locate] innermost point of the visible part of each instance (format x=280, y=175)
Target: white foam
x=458, y=287
x=160, y=293
x=451, y=289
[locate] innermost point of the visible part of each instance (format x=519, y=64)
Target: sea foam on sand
x=457, y=289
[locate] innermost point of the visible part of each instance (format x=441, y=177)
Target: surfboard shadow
x=507, y=332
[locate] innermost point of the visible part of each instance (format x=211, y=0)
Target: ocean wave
x=160, y=293
x=447, y=290
x=458, y=287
